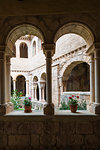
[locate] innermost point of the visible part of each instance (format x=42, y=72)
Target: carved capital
x=48, y=49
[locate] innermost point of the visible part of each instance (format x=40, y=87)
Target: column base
x=6, y=108
x=94, y=108
x=49, y=109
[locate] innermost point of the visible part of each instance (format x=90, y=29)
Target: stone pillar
x=49, y=50
x=8, y=79
x=92, y=80
x=35, y=90
x=27, y=88
x=14, y=85
x=97, y=80
x=40, y=98
x=2, y=77
x=3, y=102
x=60, y=89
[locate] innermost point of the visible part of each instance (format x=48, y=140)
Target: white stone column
x=27, y=88
x=35, y=90
x=92, y=80
x=97, y=79
x=40, y=98
x=49, y=50
x=8, y=79
x=14, y=85
x=60, y=89
x=2, y=77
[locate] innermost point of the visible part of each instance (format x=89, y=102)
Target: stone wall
x=50, y=133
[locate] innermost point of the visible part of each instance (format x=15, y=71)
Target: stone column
x=60, y=89
x=14, y=85
x=49, y=50
x=8, y=79
x=35, y=90
x=27, y=88
x=97, y=80
x=2, y=77
x=92, y=80
x=3, y=105
x=40, y=98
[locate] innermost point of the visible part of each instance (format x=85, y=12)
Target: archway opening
x=21, y=84
x=79, y=78
x=72, y=42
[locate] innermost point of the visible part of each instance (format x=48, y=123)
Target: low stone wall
x=82, y=96
x=70, y=132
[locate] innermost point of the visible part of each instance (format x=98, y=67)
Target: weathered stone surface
x=3, y=140
x=36, y=127
x=92, y=141
x=1, y=127
x=51, y=127
x=67, y=127
x=84, y=127
x=49, y=109
x=75, y=140
x=35, y=141
x=18, y=140
x=47, y=140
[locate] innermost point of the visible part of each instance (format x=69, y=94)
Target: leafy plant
x=15, y=99
x=27, y=101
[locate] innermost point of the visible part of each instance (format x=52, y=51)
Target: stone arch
x=76, y=60
x=21, y=84
x=77, y=28
x=23, y=50
x=21, y=30
x=83, y=75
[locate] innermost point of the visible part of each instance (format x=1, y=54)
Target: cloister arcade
x=49, y=50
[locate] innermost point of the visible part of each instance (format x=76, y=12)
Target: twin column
x=94, y=52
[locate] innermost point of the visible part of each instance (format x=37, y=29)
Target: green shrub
x=15, y=99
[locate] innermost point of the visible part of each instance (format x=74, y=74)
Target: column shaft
x=97, y=76
x=92, y=80
x=2, y=78
x=49, y=80
x=27, y=88
x=8, y=79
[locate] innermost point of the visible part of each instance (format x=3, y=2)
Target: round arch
x=22, y=30
x=76, y=77
x=21, y=84
x=77, y=28
x=73, y=62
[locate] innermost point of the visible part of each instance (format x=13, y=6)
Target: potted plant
x=73, y=103
x=27, y=105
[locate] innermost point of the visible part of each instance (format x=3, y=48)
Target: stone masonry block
x=18, y=140
x=3, y=140
x=67, y=127
x=21, y=128
x=75, y=140
x=92, y=141
x=35, y=141
x=51, y=127
x=36, y=127
x=1, y=127
x=47, y=140
x=84, y=127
